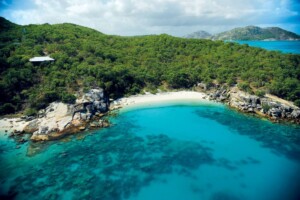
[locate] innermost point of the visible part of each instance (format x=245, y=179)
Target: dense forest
x=86, y=58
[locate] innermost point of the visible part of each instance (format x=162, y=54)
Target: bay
x=169, y=151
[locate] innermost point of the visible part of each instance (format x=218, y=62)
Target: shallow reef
x=118, y=162
x=113, y=166
x=283, y=139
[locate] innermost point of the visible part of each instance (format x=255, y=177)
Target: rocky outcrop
x=220, y=95
x=295, y=114
x=60, y=119
x=32, y=126
x=92, y=103
x=50, y=120
x=269, y=106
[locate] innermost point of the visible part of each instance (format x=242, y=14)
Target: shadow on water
x=282, y=139
x=224, y=196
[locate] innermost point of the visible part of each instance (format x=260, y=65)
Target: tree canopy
x=86, y=58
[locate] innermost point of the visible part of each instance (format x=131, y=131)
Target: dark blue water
x=283, y=46
x=167, y=152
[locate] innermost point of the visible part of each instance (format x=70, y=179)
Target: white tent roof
x=41, y=59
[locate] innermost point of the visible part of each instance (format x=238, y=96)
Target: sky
x=144, y=17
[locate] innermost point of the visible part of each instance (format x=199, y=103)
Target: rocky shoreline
x=59, y=119
x=268, y=106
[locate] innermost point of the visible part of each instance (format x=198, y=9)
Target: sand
x=60, y=114
x=151, y=99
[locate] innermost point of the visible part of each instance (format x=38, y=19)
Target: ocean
x=169, y=151
x=283, y=46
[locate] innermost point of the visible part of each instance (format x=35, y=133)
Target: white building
x=41, y=59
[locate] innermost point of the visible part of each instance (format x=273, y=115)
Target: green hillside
x=86, y=58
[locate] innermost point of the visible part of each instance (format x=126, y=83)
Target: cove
x=165, y=151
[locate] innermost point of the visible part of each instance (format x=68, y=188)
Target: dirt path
x=275, y=98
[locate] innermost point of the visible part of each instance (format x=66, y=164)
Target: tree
x=7, y=108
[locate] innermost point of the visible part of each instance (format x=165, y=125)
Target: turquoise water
x=162, y=152
x=283, y=46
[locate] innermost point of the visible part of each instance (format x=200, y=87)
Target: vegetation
x=260, y=93
x=85, y=58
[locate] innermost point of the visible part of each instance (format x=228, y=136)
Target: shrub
x=68, y=98
x=266, y=107
x=260, y=93
x=245, y=87
x=231, y=81
x=7, y=108
x=50, y=96
x=30, y=112
x=297, y=102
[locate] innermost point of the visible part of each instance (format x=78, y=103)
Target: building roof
x=41, y=59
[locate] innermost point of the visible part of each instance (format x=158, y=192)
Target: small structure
x=41, y=59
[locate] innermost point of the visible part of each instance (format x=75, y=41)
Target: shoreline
x=233, y=98
x=9, y=125
x=161, y=98
x=16, y=124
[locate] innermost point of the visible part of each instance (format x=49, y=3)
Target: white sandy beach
x=150, y=99
x=58, y=119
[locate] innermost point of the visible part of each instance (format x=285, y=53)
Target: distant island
x=248, y=33
x=200, y=35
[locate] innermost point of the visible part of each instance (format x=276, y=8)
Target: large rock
x=219, y=95
x=275, y=112
x=60, y=118
x=91, y=96
x=43, y=130
x=32, y=126
x=90, y=108
x=93, y=101
x=295, y=114
x=243, y=101
x=202, y=86
x=100, y=106
x=39, y=137
x=55, y=117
